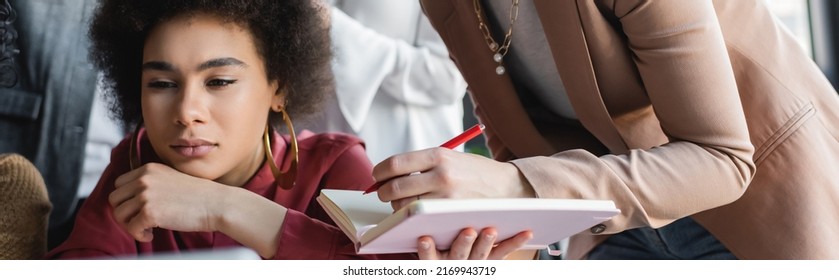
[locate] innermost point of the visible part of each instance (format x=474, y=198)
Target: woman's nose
x=192, y=106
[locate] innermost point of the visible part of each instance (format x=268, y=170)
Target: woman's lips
x=193, y=148
x=194, y=151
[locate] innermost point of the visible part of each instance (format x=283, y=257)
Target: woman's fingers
x=510, y=245
x=426, y=249
x=399, y=203
x=462, y=246
x=140, y=227
x=125, y=211
x=427, y=170
x=470, y=245
x=408, y=187
x=121, y=195
x=406, y=163
x=484, y=245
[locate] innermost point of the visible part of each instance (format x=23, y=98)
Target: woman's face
x=206, y=98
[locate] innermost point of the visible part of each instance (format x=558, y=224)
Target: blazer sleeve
x=681, y=56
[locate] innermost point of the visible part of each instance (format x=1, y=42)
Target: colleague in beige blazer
x=696, y=110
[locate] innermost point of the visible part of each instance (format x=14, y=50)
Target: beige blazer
x=692, y=108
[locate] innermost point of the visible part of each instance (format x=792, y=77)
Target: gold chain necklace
x=500, y=51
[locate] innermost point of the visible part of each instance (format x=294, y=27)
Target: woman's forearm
x=251, y=220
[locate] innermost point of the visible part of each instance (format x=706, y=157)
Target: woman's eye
x=220, y=82
x=162, y=84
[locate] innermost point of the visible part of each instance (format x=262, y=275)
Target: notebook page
x=361, y=211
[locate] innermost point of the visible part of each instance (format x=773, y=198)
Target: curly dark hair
x=290, y=36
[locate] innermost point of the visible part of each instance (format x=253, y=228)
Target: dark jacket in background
x=47, y=91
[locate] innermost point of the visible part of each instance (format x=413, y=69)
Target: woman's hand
x=447, y=174
x=156, y=195
x=470, y=246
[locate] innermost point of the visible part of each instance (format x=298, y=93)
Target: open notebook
x=376, y=229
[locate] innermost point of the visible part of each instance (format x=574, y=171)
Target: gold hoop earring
x=133, y=156
x=285, y=179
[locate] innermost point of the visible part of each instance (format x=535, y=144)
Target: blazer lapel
x=498, y=97
x=564, y=32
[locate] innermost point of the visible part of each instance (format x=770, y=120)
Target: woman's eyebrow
x=221, y=62
x=158, y=65
x=218, y=62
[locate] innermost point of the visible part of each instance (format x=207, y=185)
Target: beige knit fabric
x=24, y=209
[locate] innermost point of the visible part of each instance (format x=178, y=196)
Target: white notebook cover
x=377, y=230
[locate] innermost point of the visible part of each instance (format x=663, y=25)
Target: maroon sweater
x=325, y=161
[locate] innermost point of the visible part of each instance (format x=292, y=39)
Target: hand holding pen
x=443, y=173
x=467, y=135
x=449, y=174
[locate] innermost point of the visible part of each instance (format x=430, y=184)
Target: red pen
x=451, y=144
